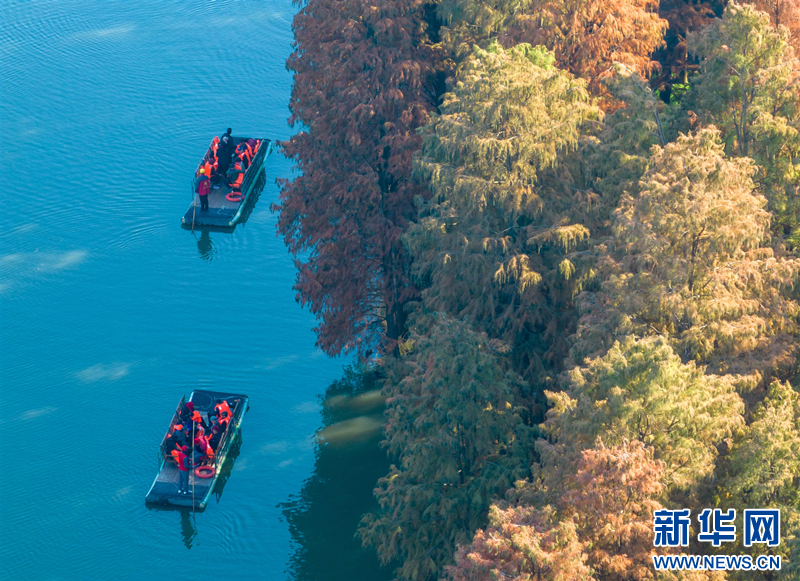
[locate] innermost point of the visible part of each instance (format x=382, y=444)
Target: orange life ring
x=204, y=472
x=232, y=197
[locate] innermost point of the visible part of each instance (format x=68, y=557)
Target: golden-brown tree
x=782, y=13
x=522, y=544
x=588, y=36
x=690, y=261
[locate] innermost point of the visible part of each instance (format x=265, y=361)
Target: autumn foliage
x=569, y=231
x=362, y=87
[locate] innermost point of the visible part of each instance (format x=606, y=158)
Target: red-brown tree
x=363, y=83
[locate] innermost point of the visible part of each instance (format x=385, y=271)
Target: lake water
x=111, y=312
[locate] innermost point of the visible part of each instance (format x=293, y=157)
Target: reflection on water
x=205, y=246
x=188, y=527
x=324, y=517
x=227, y=466
x=188, y=521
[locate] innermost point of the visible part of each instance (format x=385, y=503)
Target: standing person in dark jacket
x=224, y=154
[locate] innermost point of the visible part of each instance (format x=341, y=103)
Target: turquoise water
x=111, y=311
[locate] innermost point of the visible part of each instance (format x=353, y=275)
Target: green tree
x=690, y=260
x=454, y=427
x=640, y=390
x=748, y=88
x=466, y=23
x=492, y=244
x=762, y=470
x=765, y=461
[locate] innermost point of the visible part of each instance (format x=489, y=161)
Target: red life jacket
x=223, y=422
x=203, y=189
x=180, y=460
x=201, y=444
x=240, y=178
x=222, y=407
x=245, y=151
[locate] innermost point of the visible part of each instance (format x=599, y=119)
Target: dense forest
x=565, y=235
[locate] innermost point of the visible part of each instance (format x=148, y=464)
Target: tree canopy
x=565, y=236
x=492, y=243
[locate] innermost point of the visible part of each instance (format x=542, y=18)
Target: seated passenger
x=238, y=171
x=222, y=406
x=200, y=448
x=245, y=153
x=224, y=420
x=176, y=439
x=216, y=436
x=186, y=412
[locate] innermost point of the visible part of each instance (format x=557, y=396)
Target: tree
x=611, y=499
x=466, y=23
x=641, y=391
x=453, y=425
x=765, y=461
x=784, y=13
x=690, y=261
x=748, y=88
x=363, y=83
x=522, y=543
x=684, y=17
x=587, y=37
x=492, y=244
x=763, y=469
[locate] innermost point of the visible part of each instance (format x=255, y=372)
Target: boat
x=164, y=490
x=225, y=209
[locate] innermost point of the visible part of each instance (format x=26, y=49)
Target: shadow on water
x=258, y=187
x=227, y=467
x=205, y=246
x=187, y=519
x=324, y=516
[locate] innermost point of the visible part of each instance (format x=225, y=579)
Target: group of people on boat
x=193, y=441
x=215, y=168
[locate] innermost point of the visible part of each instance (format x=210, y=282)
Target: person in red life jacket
x=224, y=420
x=222, y=406
x=210, y=157
x=176, y=439
x=203, y=189
x=245, y=153
x=200, y=447
x=238, y=172
x=183, y=470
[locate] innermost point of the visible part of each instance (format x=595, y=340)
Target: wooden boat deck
x=165, y=487
x=223, y=213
